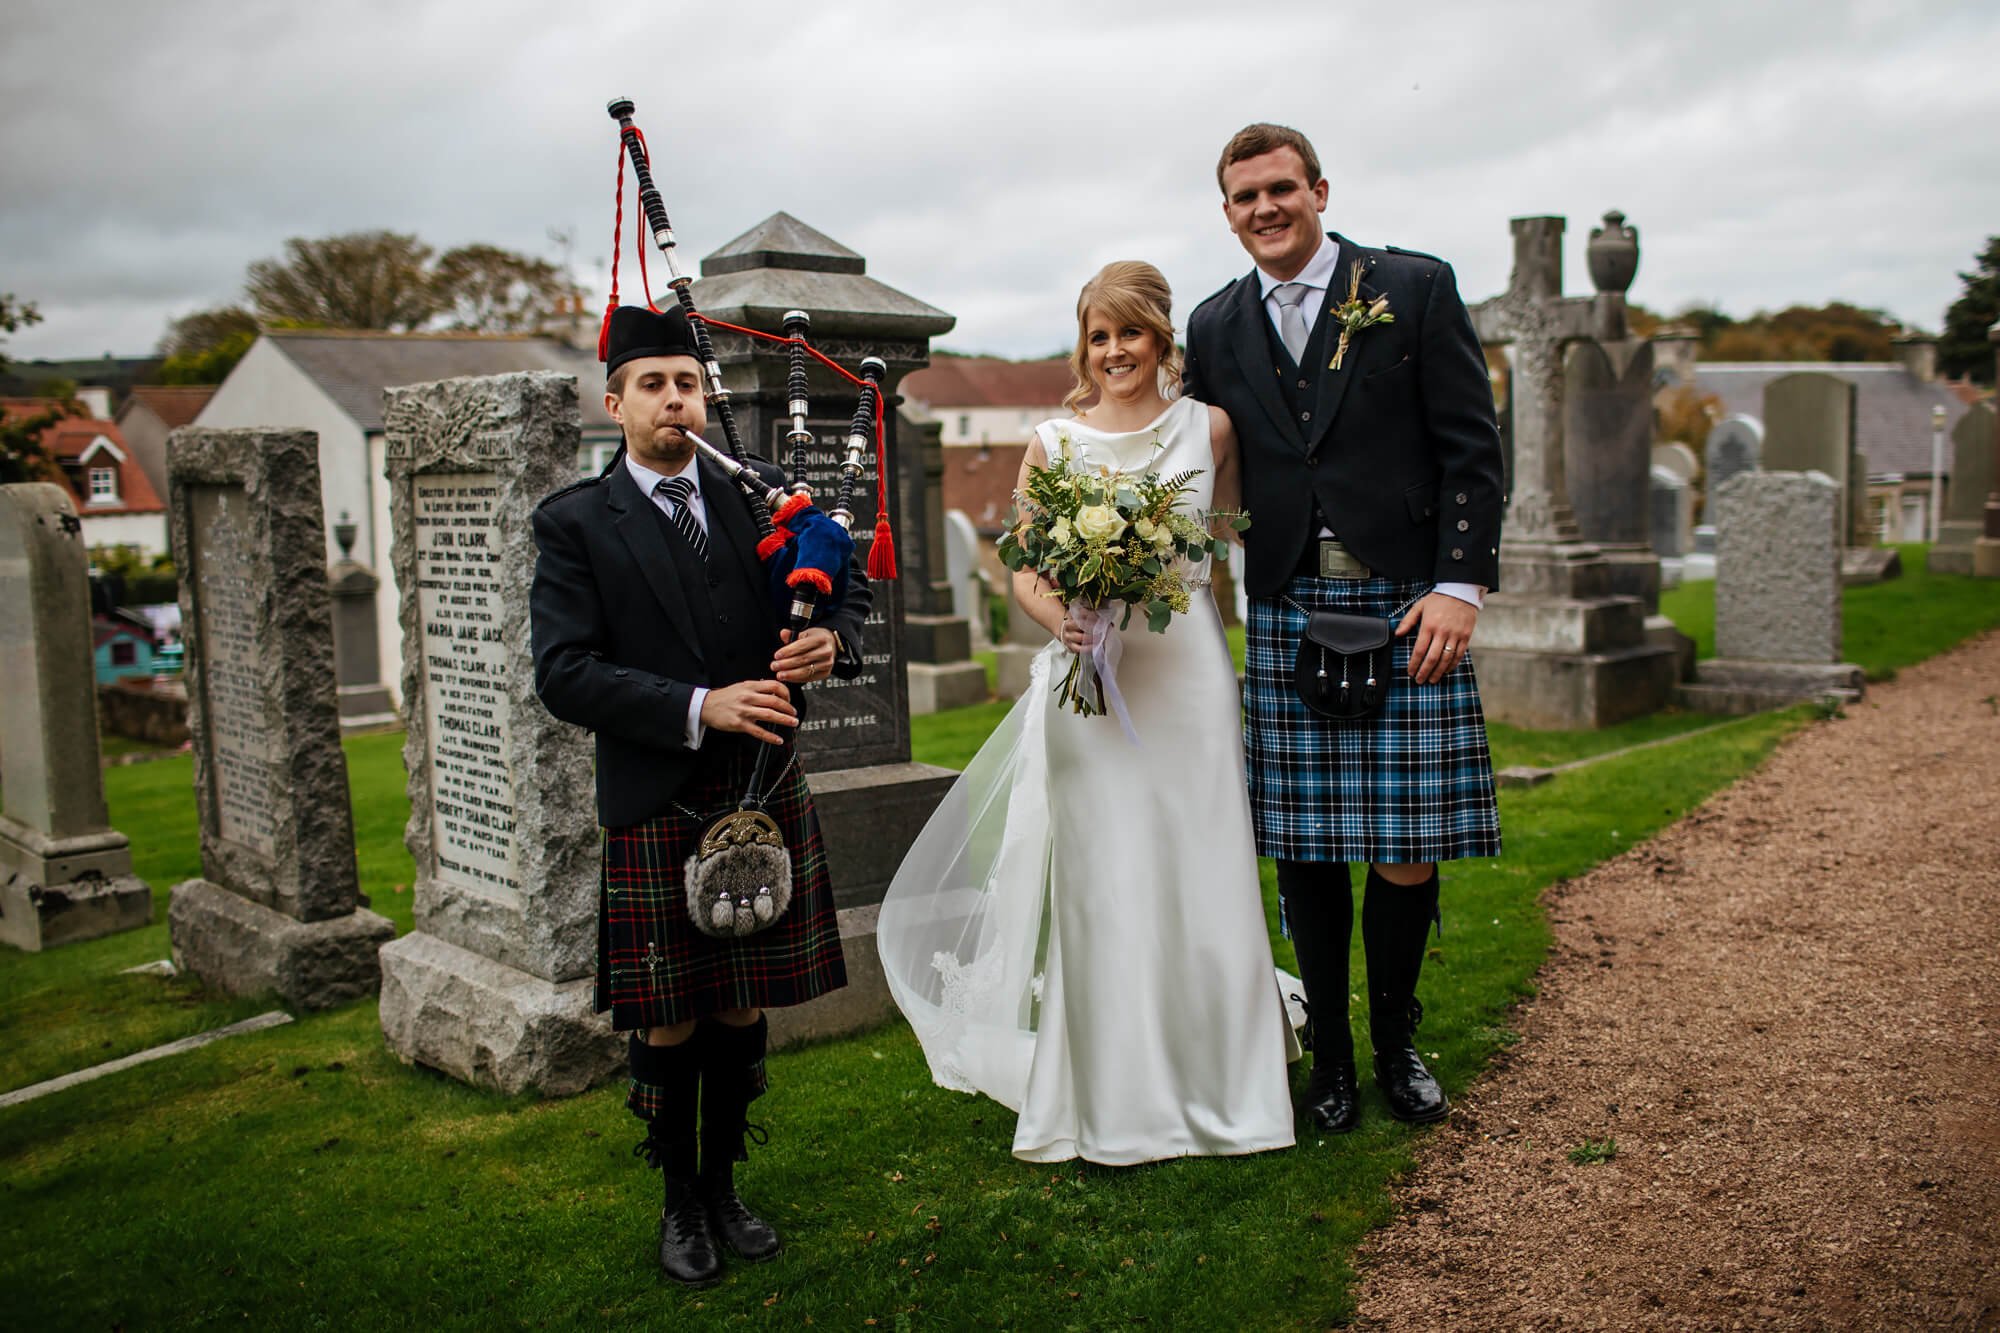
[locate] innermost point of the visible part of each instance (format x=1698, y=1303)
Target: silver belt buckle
x=1336, y=562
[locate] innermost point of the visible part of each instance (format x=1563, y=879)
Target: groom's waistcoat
x=1398, y=450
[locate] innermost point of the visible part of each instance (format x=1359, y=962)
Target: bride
x=1078, y=932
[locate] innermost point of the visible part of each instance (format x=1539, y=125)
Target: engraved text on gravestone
x=465, y=681
x=237, y=712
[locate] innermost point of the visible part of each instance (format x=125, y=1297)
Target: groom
x=1375, y=486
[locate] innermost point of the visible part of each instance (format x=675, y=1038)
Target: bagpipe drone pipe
x=805, y=550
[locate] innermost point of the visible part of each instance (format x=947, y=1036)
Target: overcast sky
x=987, y=159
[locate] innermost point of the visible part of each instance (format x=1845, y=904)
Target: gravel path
x=1785, y=1009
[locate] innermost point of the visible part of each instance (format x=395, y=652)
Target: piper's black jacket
x=1399, y=447
x=627, y=621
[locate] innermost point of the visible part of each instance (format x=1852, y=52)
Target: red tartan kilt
x=654, y=968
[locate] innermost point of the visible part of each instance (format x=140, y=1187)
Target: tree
x=1964, y=350
x=205, y=330
x=204, y=347
x=485, y=289
x=1832, y=332
x=23, y=457
x=362, y=280
x=15, y=315
x=1686, y=414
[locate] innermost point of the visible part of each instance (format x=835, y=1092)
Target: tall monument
x=1558, y=645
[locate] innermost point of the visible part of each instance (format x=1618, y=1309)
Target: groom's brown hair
x=1259, y=139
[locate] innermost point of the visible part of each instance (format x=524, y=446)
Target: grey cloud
x=988, y=158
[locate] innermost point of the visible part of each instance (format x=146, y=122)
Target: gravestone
x=1558, y=644
x=872, y=799
x=65, y=873
x=1608, y=384
x=1678, y=459
x=1972, y=480
x=1986, y=550
x=1672, y=513
x=495, y=984
x=1735, y=444
x=968, y=587
x=277, y=907
x=783, y=264
x=1777, y=595
x=364, y=699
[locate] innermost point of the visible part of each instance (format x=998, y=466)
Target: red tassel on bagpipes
x=882, y=551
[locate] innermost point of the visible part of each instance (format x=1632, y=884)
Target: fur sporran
x=739, y=880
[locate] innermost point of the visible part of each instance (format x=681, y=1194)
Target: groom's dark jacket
x=627, y=620
x=1398, y=449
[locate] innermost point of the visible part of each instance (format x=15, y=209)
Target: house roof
x=73, y=443
x=1892, y=406
x=988, y=381
x=16, y=409
x=353, y=368
x=174, y=404
x=980, y=482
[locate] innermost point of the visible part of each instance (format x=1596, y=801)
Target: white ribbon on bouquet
x=1107, y=645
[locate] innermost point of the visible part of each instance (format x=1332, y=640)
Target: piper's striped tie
x=680, y=490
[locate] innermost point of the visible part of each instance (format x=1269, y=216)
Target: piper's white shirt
x=648, y=482
x=1318, y=275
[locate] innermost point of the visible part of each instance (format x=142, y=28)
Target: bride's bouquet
x=1102, y=538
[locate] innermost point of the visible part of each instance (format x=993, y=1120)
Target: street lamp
x=1937, y=467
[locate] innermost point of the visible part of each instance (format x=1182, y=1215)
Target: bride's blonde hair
x=1127, y=292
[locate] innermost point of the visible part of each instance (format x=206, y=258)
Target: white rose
x=1145, y=527
x=1061, y=533
x=1099, y=523
x=1163, y=540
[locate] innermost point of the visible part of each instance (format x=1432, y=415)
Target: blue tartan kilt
x=1414, y=783
x=654, y=969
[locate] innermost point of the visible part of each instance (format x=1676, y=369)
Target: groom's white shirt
x=1317, y=275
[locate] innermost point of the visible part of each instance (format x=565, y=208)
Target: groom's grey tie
x=1292, y=330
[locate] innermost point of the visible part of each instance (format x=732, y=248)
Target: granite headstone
x=1965, y=499
x=1608, y=402
x=1678, y=459
x=1671, y=512
x=65, y=873
x=495, y=984
x=277, y=908
x=1735, y=444
x=1777, y=594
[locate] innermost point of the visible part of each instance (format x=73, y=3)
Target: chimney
x=1918, y=353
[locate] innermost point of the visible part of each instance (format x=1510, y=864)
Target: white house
x=331, y=382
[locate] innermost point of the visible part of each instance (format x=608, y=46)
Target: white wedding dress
x=1078, y=932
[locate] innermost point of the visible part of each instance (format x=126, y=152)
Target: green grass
x=71, y=1007
x=302, y=1177
x=1593, y=1152
x=1884, y=626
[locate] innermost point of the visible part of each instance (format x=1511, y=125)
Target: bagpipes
x=738, y=881
x=805, y=550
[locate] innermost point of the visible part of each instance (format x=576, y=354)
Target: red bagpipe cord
x=882, y=550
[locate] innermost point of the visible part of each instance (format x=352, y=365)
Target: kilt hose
x=1412, y=784
x=654, y=969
